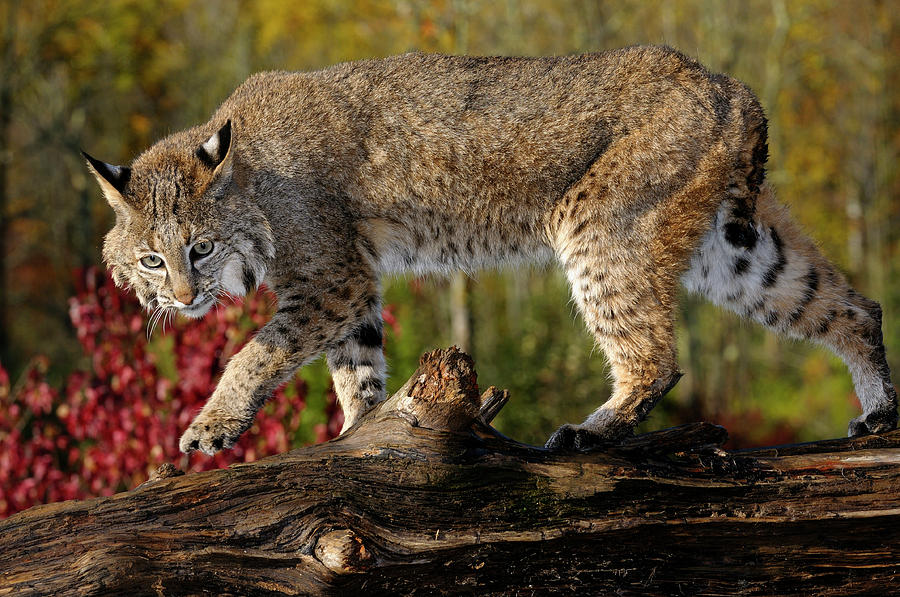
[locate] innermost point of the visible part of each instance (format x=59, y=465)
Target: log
x=422, y=496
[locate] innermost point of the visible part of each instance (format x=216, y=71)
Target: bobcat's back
x=475, y=137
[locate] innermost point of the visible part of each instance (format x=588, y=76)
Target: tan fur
x=635, y=168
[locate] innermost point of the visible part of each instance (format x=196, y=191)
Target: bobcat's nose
x=184, y=294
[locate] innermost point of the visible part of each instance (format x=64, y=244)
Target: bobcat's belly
x=424, y=243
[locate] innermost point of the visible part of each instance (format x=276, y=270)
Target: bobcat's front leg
x=306, y=324
x=358, y=369
x=249, y=379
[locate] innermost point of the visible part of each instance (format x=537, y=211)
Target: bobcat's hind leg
x=626, y=295
x=630, y=317
x=766, y=269
x=358, y=369
x=624, y=235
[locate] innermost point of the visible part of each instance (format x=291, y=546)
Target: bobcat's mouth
x=201, y=305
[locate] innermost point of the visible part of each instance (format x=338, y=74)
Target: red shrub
x=110, y=426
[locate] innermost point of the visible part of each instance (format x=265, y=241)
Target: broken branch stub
x=492, y=401
x=442, y=394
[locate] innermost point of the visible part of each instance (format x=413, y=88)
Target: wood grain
x=395, y=507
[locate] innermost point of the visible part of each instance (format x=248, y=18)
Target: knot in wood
x=343, y=552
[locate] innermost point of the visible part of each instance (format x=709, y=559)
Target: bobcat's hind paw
x=574, y=438
x=211, y=434
x=874, y=422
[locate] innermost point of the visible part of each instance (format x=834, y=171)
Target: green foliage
x=112, y=77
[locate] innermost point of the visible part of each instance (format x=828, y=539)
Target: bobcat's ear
x=112, y=179
x=216, y=152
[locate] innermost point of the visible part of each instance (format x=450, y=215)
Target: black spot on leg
x=331, y=315
x=580, y=227
x=812, y=284
x=740, y=266
x=341, y=362
x=825, y=324
x=249, y=279
x=373, y=385
x=218, y=443
x=741, y=210
x=741, y=234
x=809, y=294
x=755, y=308
x=735, y=296
x=283, y=331
x=369, y=335
x=771, y=275
x=796, y=314
x=870, y=328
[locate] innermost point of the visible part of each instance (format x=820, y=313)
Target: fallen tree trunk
x=423, y=497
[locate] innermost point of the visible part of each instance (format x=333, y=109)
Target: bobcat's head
x=184, y=234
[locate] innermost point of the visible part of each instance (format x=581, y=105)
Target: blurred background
x=112, y=77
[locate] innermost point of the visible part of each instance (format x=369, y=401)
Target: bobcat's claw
x=572, y=438
x=211, y=434
x=874, y=422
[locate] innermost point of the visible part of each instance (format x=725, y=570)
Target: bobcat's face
x=183, y=235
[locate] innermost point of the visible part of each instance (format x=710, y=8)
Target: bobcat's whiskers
x=157, y=314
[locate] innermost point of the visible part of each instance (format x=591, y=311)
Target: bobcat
x=637, y=169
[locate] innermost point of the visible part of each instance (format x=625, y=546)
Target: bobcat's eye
x=204, y=247
x=151, y=261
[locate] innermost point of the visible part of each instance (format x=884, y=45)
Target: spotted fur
x=792, y=289
x=635, y=169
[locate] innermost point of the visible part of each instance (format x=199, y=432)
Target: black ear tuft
x=216, y=147
x=117, y=176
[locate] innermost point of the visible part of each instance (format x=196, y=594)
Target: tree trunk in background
x=422, y=497
x=460, y=314
x=6, y=83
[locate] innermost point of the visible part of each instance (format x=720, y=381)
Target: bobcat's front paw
x=574, y=438
x=210, y=434
x=880, y=421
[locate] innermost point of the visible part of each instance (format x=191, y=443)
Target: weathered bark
x=422, y=497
